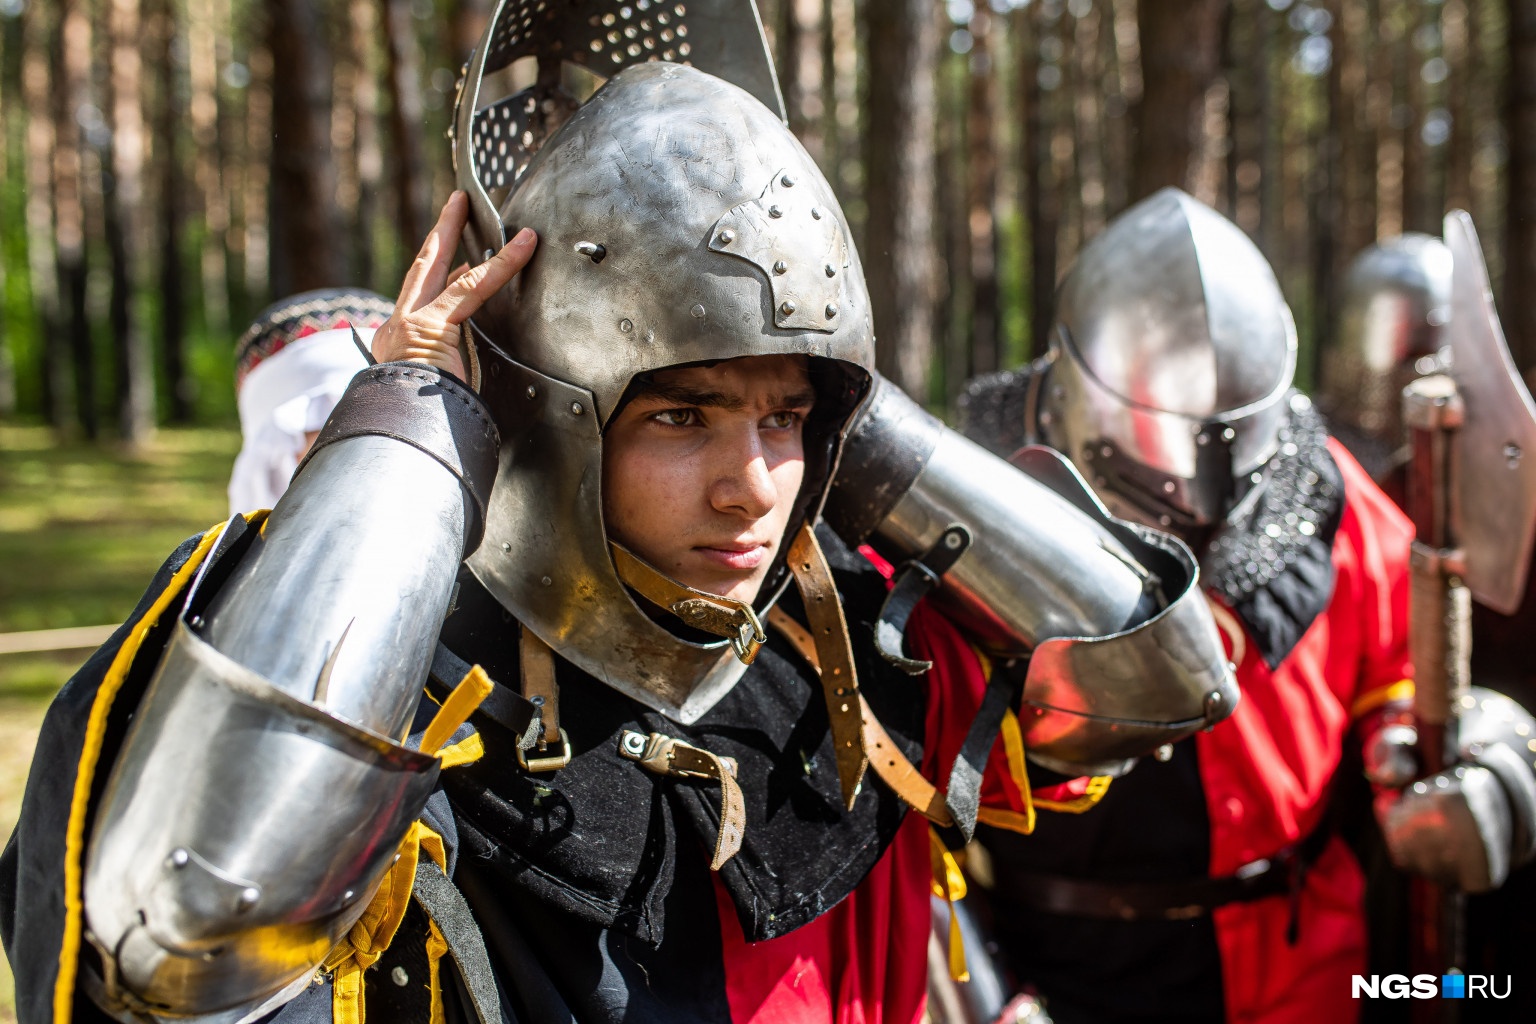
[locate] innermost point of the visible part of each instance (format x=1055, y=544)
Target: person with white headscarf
x=291, y=367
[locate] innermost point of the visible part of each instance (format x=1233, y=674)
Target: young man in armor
x=1211, y=883
x=670, y=736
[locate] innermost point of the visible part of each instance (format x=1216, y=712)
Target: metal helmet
x=680, y=223
x=1172, y=354
x=1391, y=329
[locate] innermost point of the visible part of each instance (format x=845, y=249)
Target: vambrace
x=1470, y=825
x=1125, y=655
x=262, y=791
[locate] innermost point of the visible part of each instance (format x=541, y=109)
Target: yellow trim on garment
x=375, y=930
x=1013, y=746
x=466, y=751
x=949, y=886
x=455, y=711
x=90, y=755
x=1398, y=692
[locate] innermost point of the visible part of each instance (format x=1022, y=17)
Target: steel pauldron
x=1125, y=655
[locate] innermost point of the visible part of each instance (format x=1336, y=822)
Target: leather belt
x=1164, y=900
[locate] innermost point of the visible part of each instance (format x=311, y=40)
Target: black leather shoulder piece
x=429, y=410
x=994, y=409
x=1274, y=566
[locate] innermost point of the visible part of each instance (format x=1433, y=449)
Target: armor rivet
x=1202, y=439
x=775, y=211
x=780, y=266
x=1169, y=487
x=1420, y=788
x=626, y=325
x=537, y=700
x=532, y=391
x=576, y=409
x=346, y=897
x=248, y=897
x=831, y=270
x=727, y=237
x=547, y=581
x=506, y=546
x=831, y=311
x=697, y=311
x=1164, y=753
x=952, y=541
x=487, y=255
x=179, y=858
x=1165, y=520
x=1441, y=782
x=787, y=181
x=787, y=307
x=196, y=622
x=594, y=251
x=1228, y=434
x=815, y=213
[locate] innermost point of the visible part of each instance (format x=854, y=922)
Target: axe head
x=1495, y=449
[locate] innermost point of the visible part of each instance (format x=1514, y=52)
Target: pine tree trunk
x=1180, y=58
x=467, y=22
x=71, y=94
x=1041, y=209
x=135, y=384
x=981, y=195
x=899, y=166
x=169, y=117
x=9, y=38
x=203, y=67
x=37, y=78
x=304, y=239
x=1519, y=312
x=801, y=74
x=412, y=185
x=370, y=156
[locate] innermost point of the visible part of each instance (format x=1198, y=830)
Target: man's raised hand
x=425, y=326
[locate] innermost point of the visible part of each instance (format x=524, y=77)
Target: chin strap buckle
x=725, y=617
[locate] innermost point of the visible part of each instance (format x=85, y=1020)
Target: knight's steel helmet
x=1391, y=330
x=1172, y=353
x=680, y=223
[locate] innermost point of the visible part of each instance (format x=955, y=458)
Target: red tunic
x=1266, y=771
x=866, y=960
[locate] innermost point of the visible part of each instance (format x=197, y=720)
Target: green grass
x=82, y=530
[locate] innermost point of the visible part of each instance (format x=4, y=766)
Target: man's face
x=702, y=469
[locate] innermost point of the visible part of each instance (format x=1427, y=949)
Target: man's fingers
x=470, y=290
x=443, y=237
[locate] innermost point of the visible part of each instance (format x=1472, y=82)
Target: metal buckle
x=750, y=636
x=550, y=762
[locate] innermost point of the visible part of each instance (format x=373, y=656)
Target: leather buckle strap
x=725, y=617
x=666, y=755
x=913, y=580
x=887, y=761
x=834, y=658
x=1175, y=900
x=537, y=667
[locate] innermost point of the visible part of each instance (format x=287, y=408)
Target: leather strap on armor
x=913, y=580
x=447, y=908
x=1166, y=901
x=963, y=796
x=536, y=664
x=430, y=411
x=892, y=767
x=834, y=652
x=504, y=706
x=721, y=616
x=665, y=755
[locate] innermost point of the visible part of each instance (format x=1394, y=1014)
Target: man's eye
x=677, y=417
x=783, y=419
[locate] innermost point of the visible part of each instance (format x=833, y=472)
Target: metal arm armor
x=1471, y=825
x=262, y=791
x=1124, y=653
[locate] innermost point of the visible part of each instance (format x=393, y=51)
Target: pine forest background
x=170, y=166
